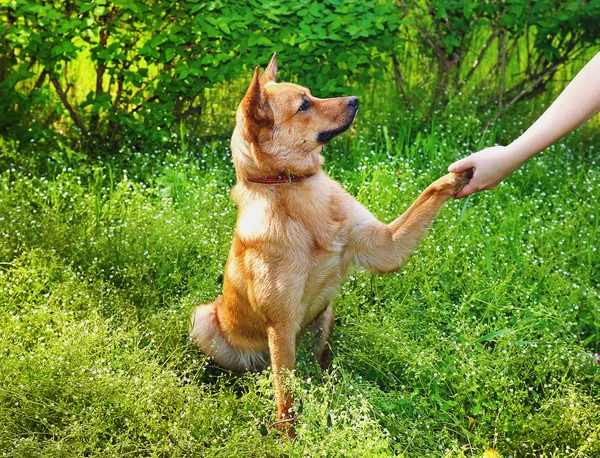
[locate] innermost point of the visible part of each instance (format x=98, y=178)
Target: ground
x=482, y=341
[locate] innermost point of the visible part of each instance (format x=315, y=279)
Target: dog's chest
x=323, y=279
x=325, y=239
x=306, y=244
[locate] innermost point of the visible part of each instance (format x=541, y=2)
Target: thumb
x=466, y=191
x=461, y=165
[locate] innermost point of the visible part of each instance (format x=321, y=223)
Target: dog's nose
x=353, y=102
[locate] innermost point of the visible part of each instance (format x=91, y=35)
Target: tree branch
x=63, y=97
x=502, y=70
x=39, y=81
x=6, y=45
x=524, y=91
x=438, y=51
x=399, y=79
x=478, y=60
x=141, y=105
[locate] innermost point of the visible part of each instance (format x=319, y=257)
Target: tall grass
x=482, y=340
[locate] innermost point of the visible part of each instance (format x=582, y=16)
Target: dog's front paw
x=450, y=184
x=460, y=180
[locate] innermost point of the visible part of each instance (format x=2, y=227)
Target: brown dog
x=297, y=234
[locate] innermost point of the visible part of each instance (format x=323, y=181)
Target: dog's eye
x=305, y=105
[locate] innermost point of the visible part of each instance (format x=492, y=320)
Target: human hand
x=490, y=167
x=575, y=105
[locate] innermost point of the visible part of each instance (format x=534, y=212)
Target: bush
x=108, y=71
x=515, y=47
x=135, y=68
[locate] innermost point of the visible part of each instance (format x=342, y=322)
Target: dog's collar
x=282, y=178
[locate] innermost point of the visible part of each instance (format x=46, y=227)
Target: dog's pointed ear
x=255, y=105
x=270, y=73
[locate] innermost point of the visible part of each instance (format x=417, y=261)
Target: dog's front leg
x=384, y=248
x=282, y=346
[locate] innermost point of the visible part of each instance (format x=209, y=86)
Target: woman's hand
x=490, y=167
x=574, y=106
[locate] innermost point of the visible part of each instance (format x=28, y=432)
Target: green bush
x=106, y=72
x=135, y=68
x=515, y=47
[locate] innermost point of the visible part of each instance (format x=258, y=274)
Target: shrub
x=135, y=67
x=515, y=47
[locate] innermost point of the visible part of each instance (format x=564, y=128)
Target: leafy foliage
x=532, y=40
x=152, y=60
x=133, y=69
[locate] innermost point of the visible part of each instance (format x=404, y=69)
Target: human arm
x=575, y=105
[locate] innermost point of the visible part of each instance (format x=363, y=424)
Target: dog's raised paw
x=461, y=179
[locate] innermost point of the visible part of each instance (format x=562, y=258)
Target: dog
x=297, y=234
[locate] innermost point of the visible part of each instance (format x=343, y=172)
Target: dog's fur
x=294, y=242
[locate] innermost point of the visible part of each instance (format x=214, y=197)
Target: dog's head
x=282, y=127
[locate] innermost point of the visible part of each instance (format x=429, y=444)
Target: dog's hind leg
x=322, y=329
x=207, y=336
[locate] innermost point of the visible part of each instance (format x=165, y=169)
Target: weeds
x=482, y=340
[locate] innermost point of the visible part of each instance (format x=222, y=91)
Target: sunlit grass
x=482, y=340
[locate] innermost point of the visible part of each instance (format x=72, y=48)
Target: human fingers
x=466, y=191
x=461, y=165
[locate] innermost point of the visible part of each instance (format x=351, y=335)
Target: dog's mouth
x=326, y=135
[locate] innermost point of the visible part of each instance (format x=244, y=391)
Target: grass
x=482, y=341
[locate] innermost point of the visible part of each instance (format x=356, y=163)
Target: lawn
x=483, y=340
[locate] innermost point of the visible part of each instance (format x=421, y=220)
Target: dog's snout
x=353, y=102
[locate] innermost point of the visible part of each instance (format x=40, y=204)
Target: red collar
x=280, y=179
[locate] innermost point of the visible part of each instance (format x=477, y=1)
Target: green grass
x=482, y=340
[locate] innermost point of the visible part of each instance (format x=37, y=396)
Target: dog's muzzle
x=352, y=109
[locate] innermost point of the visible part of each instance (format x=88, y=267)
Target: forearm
x=575, y=105
x=384, y=248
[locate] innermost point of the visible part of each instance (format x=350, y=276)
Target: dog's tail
x=207, y=336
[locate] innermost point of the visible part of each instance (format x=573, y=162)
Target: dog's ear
x=254, y=105
x=270, y=73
